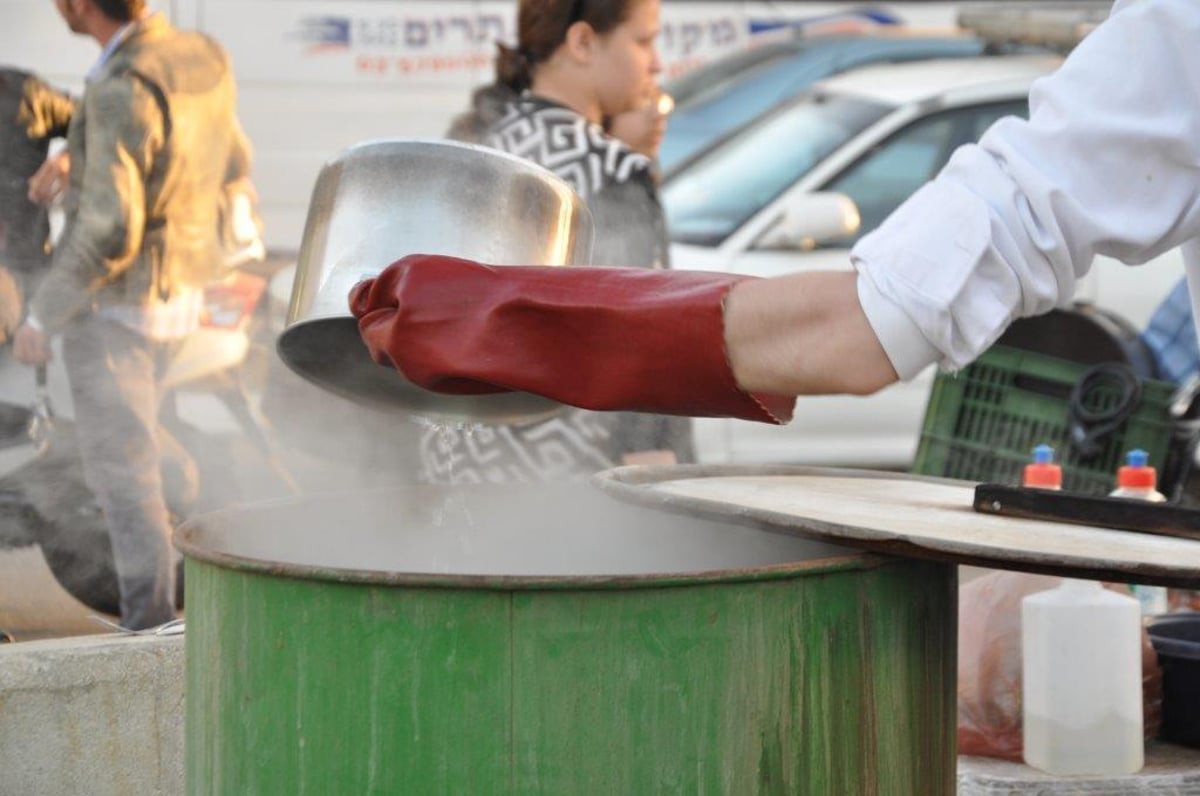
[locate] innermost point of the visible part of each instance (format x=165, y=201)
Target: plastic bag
x=989, y=664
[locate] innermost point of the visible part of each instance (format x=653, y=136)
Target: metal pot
x=382, y=200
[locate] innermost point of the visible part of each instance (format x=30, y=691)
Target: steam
x=533, y=530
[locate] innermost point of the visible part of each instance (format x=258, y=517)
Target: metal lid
x=330, y=353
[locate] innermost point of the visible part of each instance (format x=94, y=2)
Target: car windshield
x=693, y=86
x=717, y=192
x=719, y=98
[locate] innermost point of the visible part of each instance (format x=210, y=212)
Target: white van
x=316, y=76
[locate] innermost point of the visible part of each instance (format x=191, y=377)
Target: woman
x=577, y=63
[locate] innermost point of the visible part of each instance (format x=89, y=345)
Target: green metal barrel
x=555, y=641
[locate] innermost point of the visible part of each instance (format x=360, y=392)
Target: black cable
x=1090, y=427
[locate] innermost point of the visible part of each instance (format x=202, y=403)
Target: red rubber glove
x=629, y=339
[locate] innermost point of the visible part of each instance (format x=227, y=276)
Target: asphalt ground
x=33, y=605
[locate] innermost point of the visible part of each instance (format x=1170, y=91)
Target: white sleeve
x=1108, y=163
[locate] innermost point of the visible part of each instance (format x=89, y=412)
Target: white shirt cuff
x=33, y=323
x=902, y=340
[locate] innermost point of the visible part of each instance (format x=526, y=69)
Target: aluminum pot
x=381, y=200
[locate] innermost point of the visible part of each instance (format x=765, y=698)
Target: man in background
x=150, y=148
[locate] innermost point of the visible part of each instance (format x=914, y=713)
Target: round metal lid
x=904, y=515
x=329, y=353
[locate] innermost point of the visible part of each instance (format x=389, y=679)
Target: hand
x=31, y=346
x=50, y=180
x=243, y=185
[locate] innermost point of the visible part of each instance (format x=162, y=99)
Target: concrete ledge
x=105, y=714
x=97, y=715
x=1169, y=771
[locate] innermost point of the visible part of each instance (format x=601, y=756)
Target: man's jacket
x=150, y=148
x=31, y=114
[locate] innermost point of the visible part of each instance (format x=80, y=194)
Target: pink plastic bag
x=989, y=664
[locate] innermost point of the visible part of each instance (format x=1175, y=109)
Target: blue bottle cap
x=1137, y=458
x=1043, y=454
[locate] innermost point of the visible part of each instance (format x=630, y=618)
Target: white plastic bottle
x=1082, y=680
x=1137, y=480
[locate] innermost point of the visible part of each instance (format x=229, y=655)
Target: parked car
x=722, y=96
x=794, y=189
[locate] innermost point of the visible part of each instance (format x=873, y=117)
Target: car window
x=737, y=92
x=694, y=85
x=728, y=103
x=737, y=97
x=891, y=172
x=716, y=193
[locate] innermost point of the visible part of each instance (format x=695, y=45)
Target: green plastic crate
x=982, y=422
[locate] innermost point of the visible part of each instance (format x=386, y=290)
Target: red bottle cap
x=1042, y=473
x=1042, y=476
x=1137, y=474
x=1137, y=477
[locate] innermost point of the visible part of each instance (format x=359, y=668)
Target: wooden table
x=903, y=515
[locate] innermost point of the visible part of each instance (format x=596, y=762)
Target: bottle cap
x=1042, y=473
x=1136, y=474
x=1043, y=454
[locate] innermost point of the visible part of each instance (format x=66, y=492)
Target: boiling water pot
x=381, y=200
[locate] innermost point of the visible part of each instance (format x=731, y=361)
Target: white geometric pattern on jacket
x=569, y=145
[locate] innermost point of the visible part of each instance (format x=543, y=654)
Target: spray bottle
x=1082, y=680
x=1137, y=480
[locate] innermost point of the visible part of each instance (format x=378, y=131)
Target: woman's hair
x=122, y=10
x=542, y=27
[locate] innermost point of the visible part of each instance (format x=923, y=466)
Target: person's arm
x=1107, y=164
x=803, y=334
x=50, y=180
x=45, y=112
x=124, y=134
